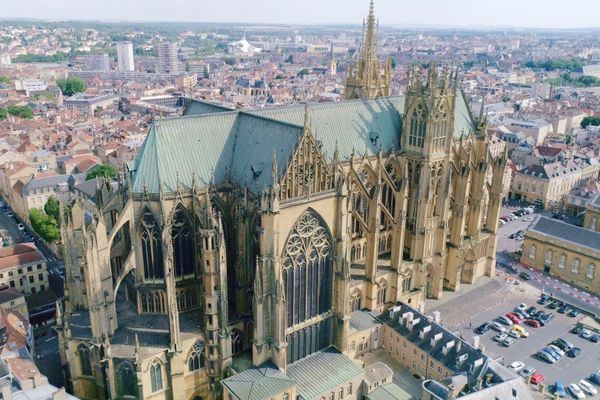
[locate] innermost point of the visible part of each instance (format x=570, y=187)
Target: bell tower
x=366, y=80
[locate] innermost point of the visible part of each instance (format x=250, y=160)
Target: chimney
x=407, y=317
x=60, y=394
x=458, y=346
x=435, y=338
x=424, y=332
x=447, y=346
x=6, y=391
x=413, y=323
x=476, y=342
x=437, y=317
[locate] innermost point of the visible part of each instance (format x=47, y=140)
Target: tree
x=303, y=72
x=44, y=225
x=393, y=62
x=5, y=79
x=52, y=208
x=20, y=111
x=71, y=86
x=3, y=114
x=229, y=60
x=105, y=171
x=587, y=121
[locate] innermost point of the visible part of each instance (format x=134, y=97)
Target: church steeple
x=371, y=79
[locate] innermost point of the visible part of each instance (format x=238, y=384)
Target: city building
x=125, y=56
x=31, y=85
x=96, y=62
x=592, y=214
x=242, y=48
x=186, y=81
x=23, y=267
x=88, y=104
x=167, y=58
x=200, y=264
x=11, y=299
x=565, y=251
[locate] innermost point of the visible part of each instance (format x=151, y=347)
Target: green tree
x=393, y=62
x=5, y=79
x=44, y=225
x=20, y=111
x=303, y=72
x=587, y=121
x=3, y=114
x=52, y=208
x=105, y=171
x=229, y=60
x=71, y=86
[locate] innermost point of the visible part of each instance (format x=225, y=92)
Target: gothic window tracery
x=439, y=137
x=359, y=202
x=237, y=341
x=153, y=301
x=156, y=379
x=418, y=127
x=152, y=253
x=355, y=300
x=183, y=243
x=85, y=359
x=307, y=269
x=127, y=379
x=381, y=292
x=186, y=298
x=196, y=357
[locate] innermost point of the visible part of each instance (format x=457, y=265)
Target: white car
x=585, y=333
x=576, y=391
x=521, y=307
x=557, y=349
x=500, y=337
x=516, y=366
x=497, y=327
x=588, y=387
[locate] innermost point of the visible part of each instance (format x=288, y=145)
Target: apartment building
x=23, y=267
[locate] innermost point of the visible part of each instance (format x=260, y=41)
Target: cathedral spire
x=369, y=49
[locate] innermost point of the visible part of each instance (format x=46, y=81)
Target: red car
x=513, y=317
x=537, y=378
x=533, y=322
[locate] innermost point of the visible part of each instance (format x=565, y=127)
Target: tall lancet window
x=418, y=127
x=307, y=269
x=183, y=243
x=152, y=254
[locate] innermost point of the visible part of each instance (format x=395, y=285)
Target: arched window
x=591, y=270
x=406, y=284
x=355, y=300
x=418, y=127
x=576, y=265
x=183, y=243
x=308, y=269
x=439, y=137
x=152, y=254
x=186, y=298
x=153, y=301
x=381, y=292
x=127, y=379
x=562, y=261
x=353, y=253
x=85, y=359
x=532, y=251
x=156, y=379
x=548, y=257
x=196, y=357
x=237, y=341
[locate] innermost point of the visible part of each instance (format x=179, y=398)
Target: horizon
x=461, y=14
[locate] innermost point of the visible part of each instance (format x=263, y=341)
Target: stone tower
x=367, y=80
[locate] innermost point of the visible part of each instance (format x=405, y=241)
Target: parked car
x=522, y=332
x=521, y=314
x=576, y=391
x=574, y=352
x=509, y=341
x=538, y=378
x=516, y=366
x=514, y=318
x=542, y=355
x=500, y=337
x=531, y=310
x=585, y=333
x=498, y=327
x=525, y=276
x=595, y=338
x=533, y=322
x=595, y=378
x=574, y=313
x=588, y=387
x=556, y=349
x=546, y=318
x=544, y=299
x=553, y=305
x=504, y=320
x=521, y=307
x=552, y=352
x=483, y=328
x=559, y=389
x=577, y=330
x=563, y=344
x=564, y=309
x=527, y=371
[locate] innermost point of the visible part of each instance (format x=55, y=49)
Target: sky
x=461, y=13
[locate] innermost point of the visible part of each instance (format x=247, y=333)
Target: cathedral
x=239, y=238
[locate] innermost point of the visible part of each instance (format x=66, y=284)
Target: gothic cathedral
x=244, y=237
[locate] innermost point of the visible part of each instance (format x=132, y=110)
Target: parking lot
x=567, y=370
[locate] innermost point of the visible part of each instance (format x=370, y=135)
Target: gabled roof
x=258, y=383
x=567, y=232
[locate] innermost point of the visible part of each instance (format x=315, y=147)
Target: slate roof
x=362, y=320
x=213, y=142
x=258, y=383
x=566, y=232
x=322, y=372
x=389, y=391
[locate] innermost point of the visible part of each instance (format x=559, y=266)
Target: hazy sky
x=522, y=13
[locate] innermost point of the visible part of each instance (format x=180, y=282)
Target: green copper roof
x=389, y=391
x=462, y=117
x=322, y=373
